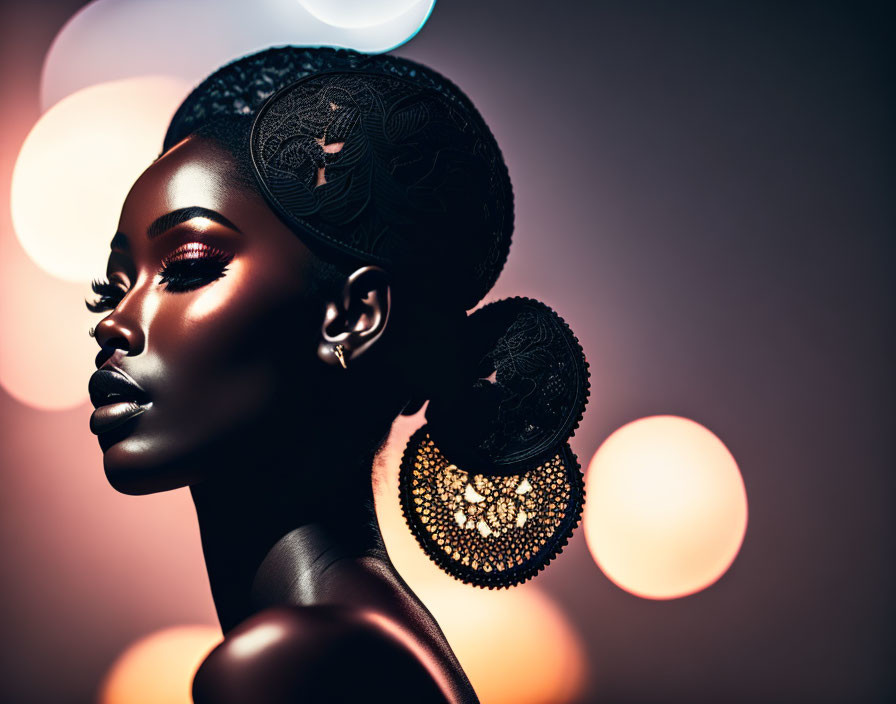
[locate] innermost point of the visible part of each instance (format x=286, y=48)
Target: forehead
x=196, y=172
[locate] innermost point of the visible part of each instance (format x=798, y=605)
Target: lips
x=116, y=398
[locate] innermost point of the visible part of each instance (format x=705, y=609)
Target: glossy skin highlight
x=249, y=407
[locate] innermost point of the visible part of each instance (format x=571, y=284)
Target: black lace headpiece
x=373, y=157
x=383, y=160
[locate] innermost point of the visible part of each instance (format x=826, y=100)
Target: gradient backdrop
x=705, y=191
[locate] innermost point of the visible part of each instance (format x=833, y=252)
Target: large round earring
x=339, y=351
x=489, y=530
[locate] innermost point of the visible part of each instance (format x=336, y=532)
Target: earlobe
x=358, y=319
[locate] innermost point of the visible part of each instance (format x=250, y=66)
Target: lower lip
x=106, y=418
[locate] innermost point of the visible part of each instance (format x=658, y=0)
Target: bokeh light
x=516, y=645
x=361, y=13
x=46, y=356
x=667, y=510
x=159, y=668
x=124, y=36
x=77, y=165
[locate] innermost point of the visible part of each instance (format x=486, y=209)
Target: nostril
x=117, y=343
x=109, y=347
x=102, y=357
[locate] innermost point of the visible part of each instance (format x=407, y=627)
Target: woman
x=289, y=275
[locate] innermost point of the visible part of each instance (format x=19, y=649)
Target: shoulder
x=287, y=655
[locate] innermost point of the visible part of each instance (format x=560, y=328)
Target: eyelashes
x=109, y=295
x=188, y=267
x=193, y=265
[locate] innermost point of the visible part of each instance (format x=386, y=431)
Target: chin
x=133, y=466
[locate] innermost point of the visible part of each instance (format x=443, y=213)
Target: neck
x=272, y=540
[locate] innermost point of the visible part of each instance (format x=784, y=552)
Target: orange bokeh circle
x=159, y=668
x=667, y=510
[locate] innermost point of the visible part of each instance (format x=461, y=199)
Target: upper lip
x=113, y=386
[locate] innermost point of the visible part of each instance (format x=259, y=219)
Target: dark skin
x=250, y=408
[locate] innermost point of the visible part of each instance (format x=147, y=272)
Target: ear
x=358, y=318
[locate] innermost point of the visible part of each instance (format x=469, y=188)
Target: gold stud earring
x=339, y=351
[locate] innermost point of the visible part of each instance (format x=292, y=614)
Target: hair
x=232, y=133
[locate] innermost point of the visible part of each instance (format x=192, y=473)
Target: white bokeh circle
x=77, y=165
x=355, y=14
x=190, y=39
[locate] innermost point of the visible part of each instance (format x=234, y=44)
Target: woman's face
x=210, y=315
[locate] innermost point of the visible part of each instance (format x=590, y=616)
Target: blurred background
x=704, y=191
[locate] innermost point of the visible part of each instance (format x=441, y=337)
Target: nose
x=118, y=331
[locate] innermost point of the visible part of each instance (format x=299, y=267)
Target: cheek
x=242, y=317
x=221, y=363
x=229, y=347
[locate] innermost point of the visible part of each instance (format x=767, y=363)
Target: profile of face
x=211, y=313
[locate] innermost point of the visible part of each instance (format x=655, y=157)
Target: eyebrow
x=176, y=217
x=169, y=220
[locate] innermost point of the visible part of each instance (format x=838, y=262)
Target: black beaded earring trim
x=489, y=530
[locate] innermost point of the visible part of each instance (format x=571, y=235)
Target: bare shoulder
x=288, y=655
